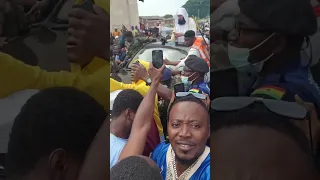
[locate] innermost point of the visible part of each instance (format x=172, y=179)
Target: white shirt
x=116, y=147
x=182, y=64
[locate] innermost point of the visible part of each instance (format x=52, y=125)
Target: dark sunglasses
x=291, y=110
x=197, y=95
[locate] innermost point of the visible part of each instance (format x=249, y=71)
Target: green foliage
x=194, y=7
x=168, y=16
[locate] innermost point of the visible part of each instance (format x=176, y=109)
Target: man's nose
x=185, y=132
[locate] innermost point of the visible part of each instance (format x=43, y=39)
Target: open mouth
x=185, y=146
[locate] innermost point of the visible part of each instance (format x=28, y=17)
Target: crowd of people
x=50, y=119
x=55, y=125
x=149, y=121
x=268, y=128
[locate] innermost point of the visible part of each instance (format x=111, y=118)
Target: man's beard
x=182, y=21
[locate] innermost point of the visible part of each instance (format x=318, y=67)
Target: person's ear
x=57, y=163
x=128, y=114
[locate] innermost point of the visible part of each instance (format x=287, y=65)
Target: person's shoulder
x=162, y=146
x=117, y=142
x=193, y=51
x=204, y=169
x=116, y=145
x=160, y=151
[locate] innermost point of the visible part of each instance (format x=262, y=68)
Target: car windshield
x=168, y=53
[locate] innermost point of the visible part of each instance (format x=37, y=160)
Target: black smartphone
x=157, y=58
x=219, y=87
x=86, y=5
x=179, y=88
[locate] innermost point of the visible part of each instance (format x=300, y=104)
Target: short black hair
x=189, y=98
x=258, y=115
x=134, y=168
x=126, y=99
x=59, y=117
x=190, y=33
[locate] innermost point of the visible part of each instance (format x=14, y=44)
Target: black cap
x=291, y=17
x=197, y=64
x=190, y=33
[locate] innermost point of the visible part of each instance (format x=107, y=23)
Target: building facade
x=153, y=21
x=124, y=12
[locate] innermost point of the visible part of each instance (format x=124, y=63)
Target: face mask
x=239, y=56
x=185, y=80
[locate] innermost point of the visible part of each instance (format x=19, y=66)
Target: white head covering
x=181, y=28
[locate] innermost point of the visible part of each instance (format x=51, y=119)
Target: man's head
x=189, y=38
x=254, y=143
x=52, y=133
x=115, y=29
x=135, y=168
x=195, y=69
x=182, y=16
x=117, y=50
x=125, y=107
x=129, y=36
x=188, y=128
x=166, y=77
x=271, y=31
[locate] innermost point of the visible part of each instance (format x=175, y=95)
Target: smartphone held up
x=157, y=58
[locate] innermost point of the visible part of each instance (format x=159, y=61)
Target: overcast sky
x=159, y=7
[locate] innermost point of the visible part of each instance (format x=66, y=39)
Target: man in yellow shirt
x=142, y=88
x=16, y=76
x=91, y=76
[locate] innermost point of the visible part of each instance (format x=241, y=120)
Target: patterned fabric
x=296, y=80
x=159, y=156
x=269, y=92
x=201, y=87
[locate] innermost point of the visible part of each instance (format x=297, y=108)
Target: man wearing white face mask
x=267, y=40
x=193, y=75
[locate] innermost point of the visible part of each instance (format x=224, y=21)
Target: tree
x=197, y=8
x=168, y=16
